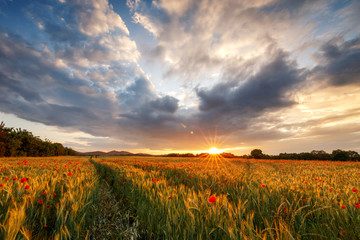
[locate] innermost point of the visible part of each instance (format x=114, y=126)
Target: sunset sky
x=179, y=76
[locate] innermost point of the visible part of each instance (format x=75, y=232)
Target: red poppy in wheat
x=212, y=199
x=170, y=197
x=343, y=207
x=263, y=185
x=14, y=179
x=69, y=174
x=1, y=185
x=45, y=226
x=27, y=187
x=41, y=201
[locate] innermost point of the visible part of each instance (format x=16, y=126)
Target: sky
x=161, y=76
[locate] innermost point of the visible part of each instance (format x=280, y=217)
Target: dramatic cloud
x=339, y=63
x=169, y=75
x=271, y=87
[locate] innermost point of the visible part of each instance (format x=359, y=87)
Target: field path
x=114, y=219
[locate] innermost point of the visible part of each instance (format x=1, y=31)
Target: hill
x=113, y=153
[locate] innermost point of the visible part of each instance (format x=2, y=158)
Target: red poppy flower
x=6, y=179
x=69, y=174
x=354, y=190
x=54, y=194
x=304, y=200
x=45, y=226
x=27, y=187
x=1, y=185
x=14, y=179
x=41, y=201
x=212, y=199
x=170, y=197
x=263, y=185
x=343, y=207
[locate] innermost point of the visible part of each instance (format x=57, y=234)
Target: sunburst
x=214, y=150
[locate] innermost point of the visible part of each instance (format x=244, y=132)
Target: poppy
x=212, y=199
x=27, y=187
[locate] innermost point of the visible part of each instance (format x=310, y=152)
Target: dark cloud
x=33, y=88
x=339, y=63
x=12, y=86
x=166, y=104
x=140, y=104
x=270, y=88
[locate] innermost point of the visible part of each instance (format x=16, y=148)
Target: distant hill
x=113, y=153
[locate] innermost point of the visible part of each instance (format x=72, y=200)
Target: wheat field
x=180, y=198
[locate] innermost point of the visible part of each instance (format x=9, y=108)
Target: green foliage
x=20, y=143
x=256, y=153
x=336, y=155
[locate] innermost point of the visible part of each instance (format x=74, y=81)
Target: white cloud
x=100, y=18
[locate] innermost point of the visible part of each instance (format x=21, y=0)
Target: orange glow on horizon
x=214, y=150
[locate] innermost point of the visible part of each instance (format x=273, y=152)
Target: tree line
x=336, y=155
x=21, y=143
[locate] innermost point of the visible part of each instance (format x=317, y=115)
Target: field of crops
x=182, y=198
x=46, y=198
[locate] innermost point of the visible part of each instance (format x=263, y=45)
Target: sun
x=214, y=150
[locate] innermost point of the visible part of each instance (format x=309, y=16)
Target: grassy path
x=114, y=219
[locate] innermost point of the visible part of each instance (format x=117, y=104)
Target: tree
x=19, y=142
x=320, y=155
x=353, y=156
x=340, y=155
x=3, y=139
x=256, y=153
